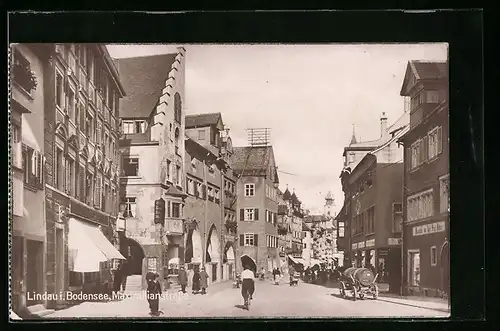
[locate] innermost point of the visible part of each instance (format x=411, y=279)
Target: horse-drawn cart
x=360, y=282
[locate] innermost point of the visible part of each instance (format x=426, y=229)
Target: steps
x=40, y=310
x=134, y=283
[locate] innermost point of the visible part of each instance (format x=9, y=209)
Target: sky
x=310, y=96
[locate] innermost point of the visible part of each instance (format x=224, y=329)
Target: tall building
x=82, y=92
x=211, y=227
x=153, y=164
x=27, y=223
x=329, y=208
x=426, y=180
x=257, y=204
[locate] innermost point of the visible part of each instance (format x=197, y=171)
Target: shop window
x=414, y=268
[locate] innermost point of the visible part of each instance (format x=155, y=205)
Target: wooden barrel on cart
x=364, y=276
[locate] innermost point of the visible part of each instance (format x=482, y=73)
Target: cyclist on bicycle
x=248, y=285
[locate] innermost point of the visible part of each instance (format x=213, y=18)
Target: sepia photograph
x=164, y=181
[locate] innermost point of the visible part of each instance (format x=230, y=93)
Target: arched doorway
x=229, y=260
x=135, y=255
x=445, y=269
x=212, y=254
x=194, y=248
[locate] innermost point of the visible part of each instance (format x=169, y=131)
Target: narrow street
x=305, y=300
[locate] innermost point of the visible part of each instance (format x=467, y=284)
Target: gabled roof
x=287, y=196
x=253, y=161
x=423, y=70
x=144, y=80
x=203, y=120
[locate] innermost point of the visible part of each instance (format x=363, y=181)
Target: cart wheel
x=375, y=293
x=342, y=290
x=354, y=293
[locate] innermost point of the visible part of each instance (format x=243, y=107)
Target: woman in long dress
x=196, y=282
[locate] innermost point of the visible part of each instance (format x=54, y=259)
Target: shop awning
x=296, y=260
x=88, y=247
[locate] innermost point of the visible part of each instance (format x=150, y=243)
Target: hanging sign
x=370, y=243
x=152, y=265
x=361, y=244
x=159, y=214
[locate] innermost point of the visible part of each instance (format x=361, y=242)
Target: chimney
x=383, y=125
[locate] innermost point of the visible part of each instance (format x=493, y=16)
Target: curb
x=413, y=305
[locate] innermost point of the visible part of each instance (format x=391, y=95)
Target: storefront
x=427, y=259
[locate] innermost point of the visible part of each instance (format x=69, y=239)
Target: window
x=433, y=256
x=370, y=220
x=210, y=193
x=140, y=127
x=444, y=194
x=128, y=127
x=217, y=195
x=16, y=146
x=418, y=99
x=419, y=152
x=249, y=214
x=105, y=204
x=341, y=230
x=420, y=205
x=70, y=177
x=82, y=114
x=71, y=105
x=89, y=128
x=201, y=134
x=190, y=187
x=130, y=207
x=169, y=173
x=414, y=267
x=33, y=165
x=131, y=166
x=249, y=239
x=432, y=96
x=397, y=217
x=59, y=90
x=178, y=175
x=249, y=190
x=176, y=210
x=59, y=169
x=98, y=191
x=435, y=145
x=89, y=188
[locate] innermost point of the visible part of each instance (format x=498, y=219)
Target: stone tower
x=329, y=205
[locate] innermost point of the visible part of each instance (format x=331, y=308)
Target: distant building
x=257, y=204
x=426, y=180
x=210, y=214
x=284, y=226
x=153, y=163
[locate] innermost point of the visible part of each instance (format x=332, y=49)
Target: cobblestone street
x=222, y=300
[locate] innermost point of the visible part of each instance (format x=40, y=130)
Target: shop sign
x=370, y=243
x=152, y=267
x=394, y=241
x=422, y=230
x=361, y=244
x=383, y=252
x=354, y=246
x=88, y=213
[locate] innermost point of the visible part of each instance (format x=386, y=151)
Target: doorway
x=445, y=270
x=135, y=255
x=34, y=271
x=59, y=260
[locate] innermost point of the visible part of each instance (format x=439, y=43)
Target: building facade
x=153, y=164
x=27, y=221
x=426, y=180
x=257, y=205
x=82, y=91
x=284, y=226
x=211, y=231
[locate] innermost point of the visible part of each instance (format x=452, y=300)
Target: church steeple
x=353, y=138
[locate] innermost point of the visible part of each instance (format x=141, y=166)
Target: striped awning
x=88, y=247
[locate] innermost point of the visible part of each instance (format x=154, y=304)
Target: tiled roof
x=429, y=70
x=175, y=192
x=253, y=160
x=144, y=80
x=202, y=120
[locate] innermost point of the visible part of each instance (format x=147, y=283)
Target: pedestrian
x=183, y=279
x=117, y=281
x=203, y=281
x=196, y=282
x=262, y=273
x=153, y=294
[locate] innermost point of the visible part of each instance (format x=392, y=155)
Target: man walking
x=203, y=281
x=183, y=279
